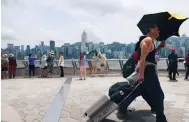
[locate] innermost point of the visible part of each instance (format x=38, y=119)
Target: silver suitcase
x=103, y=107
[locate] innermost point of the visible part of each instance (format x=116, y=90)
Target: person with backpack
x=187, y=66
x=150, y=87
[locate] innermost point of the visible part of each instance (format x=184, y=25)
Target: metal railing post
x=26, y=67
x=74, y=68
x=120, y=63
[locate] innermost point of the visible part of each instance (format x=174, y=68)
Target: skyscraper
x=83, y=42
x=42, y=46
x=22, y=52
x=28, y=50
x=52, y=45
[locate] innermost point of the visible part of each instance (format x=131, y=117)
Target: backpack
x=129, y=67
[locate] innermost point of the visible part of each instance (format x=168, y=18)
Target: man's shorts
x=4, y=69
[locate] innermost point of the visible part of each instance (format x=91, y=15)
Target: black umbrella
x=167, y=23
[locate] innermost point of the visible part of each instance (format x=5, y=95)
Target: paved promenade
x=29, y=100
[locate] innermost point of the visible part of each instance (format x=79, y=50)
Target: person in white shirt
x=44, y=72
x=61, y=64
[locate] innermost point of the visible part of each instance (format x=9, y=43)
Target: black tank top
x=151, y=55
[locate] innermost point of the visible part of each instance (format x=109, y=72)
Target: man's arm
x=145, y=45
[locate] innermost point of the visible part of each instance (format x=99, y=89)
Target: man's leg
x=170, y=75
x=30, y=69
x=174, y=75
x=14, y=71
x=187, y=72
x=10, y=71
x=146, y=98
x=61, y=71
x=154, y=92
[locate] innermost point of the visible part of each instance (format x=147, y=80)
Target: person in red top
x=187, y=66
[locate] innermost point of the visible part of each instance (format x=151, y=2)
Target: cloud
x=32, y=21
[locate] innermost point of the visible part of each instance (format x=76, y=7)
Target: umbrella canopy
x=167, y=23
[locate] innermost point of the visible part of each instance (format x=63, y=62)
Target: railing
x=113, y=64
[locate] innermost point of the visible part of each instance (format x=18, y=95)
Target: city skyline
x=28, y=22
x=80, y=40
x=114, y=50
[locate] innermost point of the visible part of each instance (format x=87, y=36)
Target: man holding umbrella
x=150, y=86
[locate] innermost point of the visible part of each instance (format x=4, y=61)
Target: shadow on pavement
x=137, y=116
x=141, y=116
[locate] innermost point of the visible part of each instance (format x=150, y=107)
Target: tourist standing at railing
x=103, y=63
x=12, y=66
x=4, y=65
x=44, y=65
x=50, y=62
x=187, y=66
x=61, y=64
x=94, y=64
x=31, y=60
x=173, y=65
x=82, y=63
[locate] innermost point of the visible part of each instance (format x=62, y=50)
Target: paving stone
x=43, y=102
x=42, y=113
x=31, y=99
x=23, y=115
x=65, y=114
x=185, y=120
x=34, y=111
x=68, y=120
x=31, y=118
x=76, y=113
x=21, y=105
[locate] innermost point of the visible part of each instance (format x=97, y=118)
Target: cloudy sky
x=31, y=21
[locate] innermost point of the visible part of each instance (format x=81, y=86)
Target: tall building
x=22, y=52
x=28, y=51
x=70, y=51
x=42, y=46
x=57, y=51
x=22, y=48
x=52, y=45
x=83, y=42
x=10, y=46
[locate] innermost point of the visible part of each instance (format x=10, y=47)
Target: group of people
x=47, y=63
x=94, y=68
x=8, y=66
x=173, y=65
